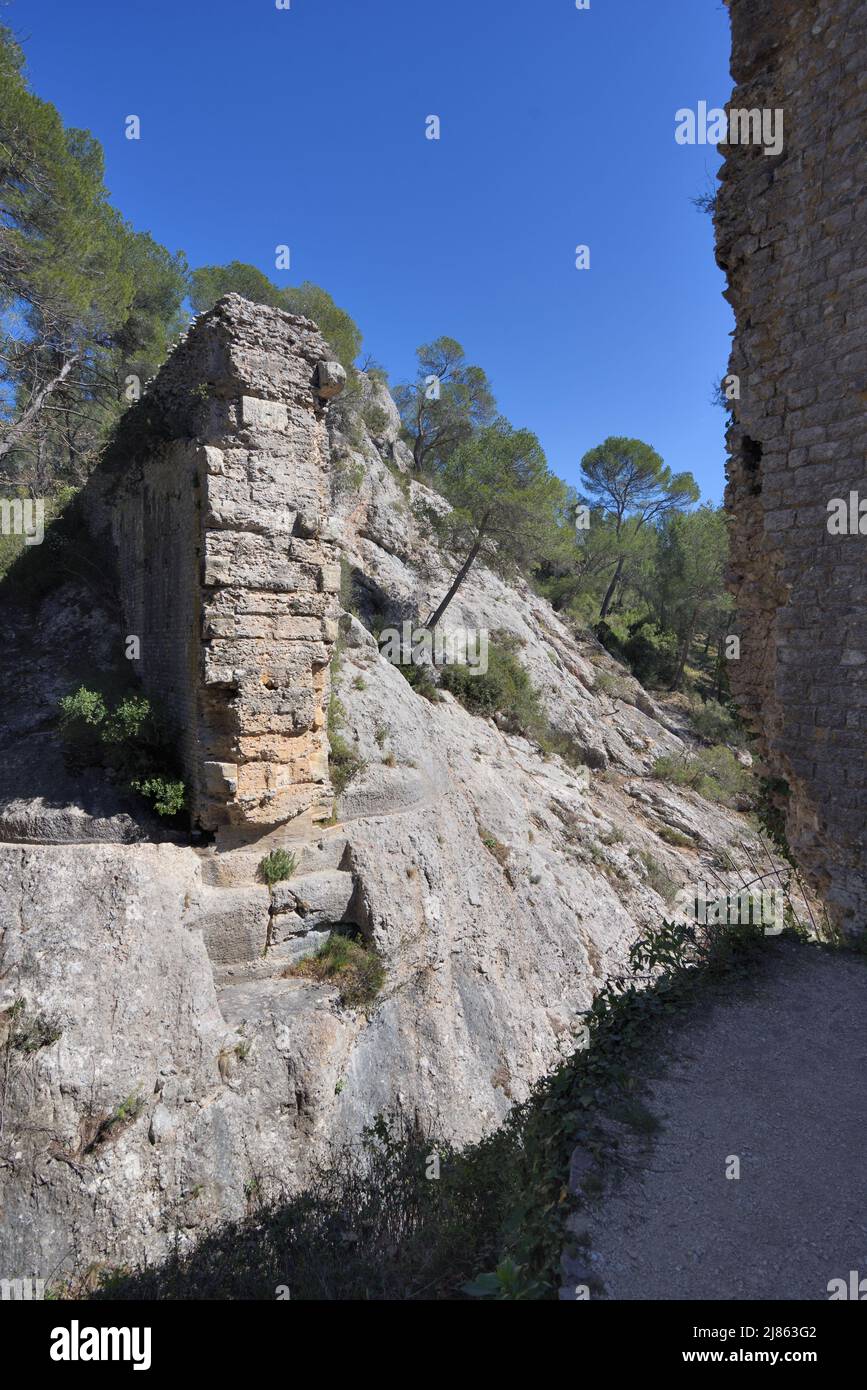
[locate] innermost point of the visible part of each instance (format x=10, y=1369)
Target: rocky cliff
x=157, y=1064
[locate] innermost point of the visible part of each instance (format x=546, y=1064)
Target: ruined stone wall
x=215, y=493
x=792, y=238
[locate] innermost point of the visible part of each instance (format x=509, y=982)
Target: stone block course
x=217, y=515
x=798, y=435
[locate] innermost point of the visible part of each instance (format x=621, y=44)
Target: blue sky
x=307, y=127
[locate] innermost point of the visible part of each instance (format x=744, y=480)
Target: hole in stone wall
x=751, y=458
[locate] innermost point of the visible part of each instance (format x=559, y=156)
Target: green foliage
x=714, y=773
x=167, y=796
x=110, y=1127
x=335, y=324
x=86, y=705
x=354, y=967
x=86, y=301
x=634, y=489
x=505, y=689
x=208, y=283
x=508, y=1281
x=651, y=653
x=658, y=877
x=502, y=491
x=715, y=723
x=344, y=762
x=506, y=692
x=129, y=738
x=628, y=478
x=609, y=684
x=29, y=1032
x=434, y=425
x=418, y=675
x=771, y=808
x=675, y=837
x=693, y=553
x=346, y=476
x=495, y=847
x=277, y=866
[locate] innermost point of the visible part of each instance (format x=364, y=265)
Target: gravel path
x=775, y=1075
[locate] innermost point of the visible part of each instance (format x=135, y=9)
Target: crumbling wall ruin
x=792, y=238
x=215, y=493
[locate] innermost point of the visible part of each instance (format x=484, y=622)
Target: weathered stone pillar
x=216, y=494
x=792, y=238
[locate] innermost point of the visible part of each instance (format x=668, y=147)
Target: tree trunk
x=606, y=602
x=719, y=668
x=37, y=401
x=458, y=581
x=684, y=652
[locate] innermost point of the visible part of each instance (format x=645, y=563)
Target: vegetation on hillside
x=130, y=739
x=408, y=1216
x=90, y=307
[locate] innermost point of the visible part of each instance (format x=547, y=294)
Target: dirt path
x=776, y=1076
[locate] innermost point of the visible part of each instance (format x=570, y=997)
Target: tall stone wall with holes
x=792, y=239
x=215, y=493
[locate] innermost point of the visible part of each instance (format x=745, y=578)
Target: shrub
x=418, y=675
x=344, y=762
x=494, y=846
x=168, y=798
x=277, y=866
x=505, y=689
x=773, y=798
x=675, y=837
x=30, y=1032
x=715, y=723
x=658, y=877
x=355, y=968
x=651, y=652
x=714, y=773
x=611, y=685
x=370, y=1224
x=346, y=476
x=130, y=738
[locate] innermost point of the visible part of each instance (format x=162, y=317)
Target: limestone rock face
x=163, y=1053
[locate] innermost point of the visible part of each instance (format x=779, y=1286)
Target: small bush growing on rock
x=611, y=685
x=504, y=690
x=418, y=675
x=355, y=968
x=30, y=1032
x=167, y=797
x=494, y=846
x=98, y=1130
x=714, y=723
x=277, y=866
x=129, y=738
x=714, y=773
x=343, y=762
x=659, y=878
x=675, y=837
